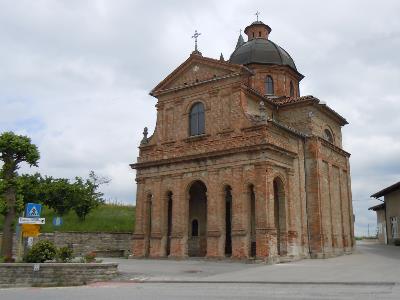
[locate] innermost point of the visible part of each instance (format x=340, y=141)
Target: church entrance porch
x=197, y=239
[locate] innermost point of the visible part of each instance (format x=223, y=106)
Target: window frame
x=195, y=229
x=197, y=120
x=291, y=89
x=328, y=135
x=269, y=86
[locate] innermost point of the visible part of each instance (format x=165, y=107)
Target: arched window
x=195, y=228
x=291, y=89
x=328, y=135
x=196, y=119
x=269, y=85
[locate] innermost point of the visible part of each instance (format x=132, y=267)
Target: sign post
x=39, y=221
x=30, y=230
x=33, y=210
x=29, y=226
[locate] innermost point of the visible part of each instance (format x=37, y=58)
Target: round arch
x=197, y=195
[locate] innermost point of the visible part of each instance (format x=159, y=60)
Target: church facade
x=240, y=165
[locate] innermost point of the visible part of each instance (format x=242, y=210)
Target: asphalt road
x=373, y=272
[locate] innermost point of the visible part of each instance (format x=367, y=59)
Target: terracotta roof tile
x=290, y=100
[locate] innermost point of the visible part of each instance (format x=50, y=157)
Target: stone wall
x=55, y=274
x=103, y=243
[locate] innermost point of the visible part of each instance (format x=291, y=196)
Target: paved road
x=373, y=272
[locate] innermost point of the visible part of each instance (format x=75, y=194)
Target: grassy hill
x=106, y=218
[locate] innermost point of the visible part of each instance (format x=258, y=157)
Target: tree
x=87, y=197
x=14, y=149
x=29, y=188
x=58, y=194
x=61, y=195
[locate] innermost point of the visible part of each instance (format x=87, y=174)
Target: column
x=215, y=237
x=239, y=232
x=139, y=238
x=156, y=220
x=271, y=230
x=261, y=199
x=292, y=233
x=179, y=220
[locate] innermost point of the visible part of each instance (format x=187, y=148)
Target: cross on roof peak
x=195, y=36
x=257, y=14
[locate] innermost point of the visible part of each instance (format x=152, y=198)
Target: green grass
x=105, y=218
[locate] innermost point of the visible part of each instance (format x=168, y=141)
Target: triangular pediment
x=196, y=69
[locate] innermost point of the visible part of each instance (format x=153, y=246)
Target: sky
x=75, y=76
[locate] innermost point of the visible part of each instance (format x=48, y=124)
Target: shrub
x=6, y=259
x=90, y=257
x=65, y=254
x=40, y=252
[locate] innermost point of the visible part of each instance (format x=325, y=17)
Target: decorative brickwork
x=261, y=181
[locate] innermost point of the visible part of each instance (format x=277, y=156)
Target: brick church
x=240, y=164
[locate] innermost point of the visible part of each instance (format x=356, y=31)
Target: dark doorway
x=148, y=205
x=169, y=222
x=197, y=242
x=228, y=221
x=253, y=242
x=279, y=215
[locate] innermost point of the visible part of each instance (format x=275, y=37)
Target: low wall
x=55, y=274
x=103, y=243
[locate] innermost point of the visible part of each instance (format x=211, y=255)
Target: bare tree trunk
x=8, y=227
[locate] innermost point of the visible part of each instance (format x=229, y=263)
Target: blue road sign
x=57, y=221
x=33, y=210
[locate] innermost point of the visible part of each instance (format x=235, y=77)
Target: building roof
x=285, y=101
x=377, y=207
x=385, y=191
x=289, y=100
x=262, y=51
x=240, y=41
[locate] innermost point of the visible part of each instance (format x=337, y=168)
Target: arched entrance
x=197, y=241
x=169, y=222
x=252, y=219
x=280, y=216
x=228, y=221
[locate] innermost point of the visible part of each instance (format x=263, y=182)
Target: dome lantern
x=257, y=30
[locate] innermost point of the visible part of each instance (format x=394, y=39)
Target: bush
x=6, y=259
x=40, y=252
x=65, y=254
x=90, y=257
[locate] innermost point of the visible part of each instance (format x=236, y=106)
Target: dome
x=261, y=51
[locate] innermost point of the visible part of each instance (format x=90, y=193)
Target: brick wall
x=104, y=243
x=55, y=274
